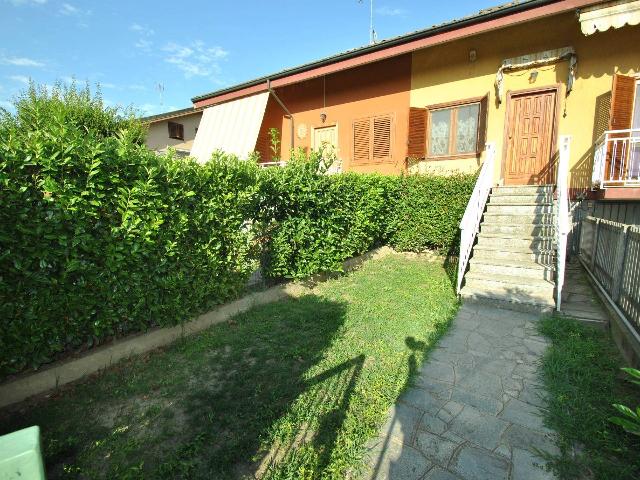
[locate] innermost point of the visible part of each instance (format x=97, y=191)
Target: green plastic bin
x=21, y=455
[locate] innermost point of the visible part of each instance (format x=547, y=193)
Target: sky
x=155, y=56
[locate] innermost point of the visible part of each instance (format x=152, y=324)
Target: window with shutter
x=362, y=140
x=372, y=139
x=417, y=141
x=381, y=139
x=456, y=129
x=622, y=93
x=176, y=130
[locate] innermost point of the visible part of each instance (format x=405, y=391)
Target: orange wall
x=375, y=89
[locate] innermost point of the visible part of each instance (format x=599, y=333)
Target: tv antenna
x=160, y=89
x=372, y=32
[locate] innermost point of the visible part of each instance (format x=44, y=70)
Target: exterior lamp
x=323, y=117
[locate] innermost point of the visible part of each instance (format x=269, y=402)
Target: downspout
x=288, y=113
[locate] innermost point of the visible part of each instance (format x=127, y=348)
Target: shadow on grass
x=204, y=406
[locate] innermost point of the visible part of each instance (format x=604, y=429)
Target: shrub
x=100, y=237
x=312, y=222
x=428, y=211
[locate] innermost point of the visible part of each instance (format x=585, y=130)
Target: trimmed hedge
x=99, y=237
x=428, y=211
x=312, y=222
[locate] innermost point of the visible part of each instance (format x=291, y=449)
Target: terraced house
x=540, y=97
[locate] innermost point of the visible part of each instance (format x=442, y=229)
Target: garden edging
x=67, y=371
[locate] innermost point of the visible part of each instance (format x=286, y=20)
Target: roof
x=479, y=17
x=173, y=114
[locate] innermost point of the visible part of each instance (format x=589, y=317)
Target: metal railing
x=562, y=214
x=616, y=159
x=610, y=251
x=470, y=224
x=272, y=164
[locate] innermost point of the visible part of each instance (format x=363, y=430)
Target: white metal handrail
x=470, y=224
x=622, y=149
x=562, y=215
x=272, y=164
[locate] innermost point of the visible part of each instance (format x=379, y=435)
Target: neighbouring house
x=176, y=129
x=540, y=98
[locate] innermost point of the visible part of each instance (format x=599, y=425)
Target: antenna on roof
x=373, y=36
x=160, y=88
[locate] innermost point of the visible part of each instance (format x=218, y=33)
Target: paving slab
x=473, y=411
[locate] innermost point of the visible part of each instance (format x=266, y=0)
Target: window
x=372, y=139
x=453, y=130
x=176, y=130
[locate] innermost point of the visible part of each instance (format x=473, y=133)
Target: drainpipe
x=288, y=113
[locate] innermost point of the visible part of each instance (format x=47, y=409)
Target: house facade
x=518, y=77
x=176, y=129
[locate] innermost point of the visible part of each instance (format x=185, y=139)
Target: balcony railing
x=616, y=162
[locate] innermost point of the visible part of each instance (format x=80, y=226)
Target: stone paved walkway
x=474, y=410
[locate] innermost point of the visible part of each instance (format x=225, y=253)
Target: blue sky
x=189, y=47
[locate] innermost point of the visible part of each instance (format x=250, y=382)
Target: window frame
x=179, y=130
x=453, y=106
x=371, y=119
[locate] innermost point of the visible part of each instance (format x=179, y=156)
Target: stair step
x=546, y=230
x=535, y=255
x=508, y=300
x=523, y=190
x=520, y=199
x=514, y=243
x=529, y=270
x=512, y=209
x=539, y=285
x=519, y=219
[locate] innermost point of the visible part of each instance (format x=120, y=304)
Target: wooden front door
x=530, y=133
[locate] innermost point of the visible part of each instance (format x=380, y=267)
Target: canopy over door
x=231, y=127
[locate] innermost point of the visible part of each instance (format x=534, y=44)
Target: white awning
x=604, y=16
x=231, y=127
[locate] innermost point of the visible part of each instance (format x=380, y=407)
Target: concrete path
x=474, y=409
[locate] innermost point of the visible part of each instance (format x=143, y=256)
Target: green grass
x=581, y=370
x=291, y=390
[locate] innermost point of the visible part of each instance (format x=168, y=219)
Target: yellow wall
x=444, y=73
x=158, y=134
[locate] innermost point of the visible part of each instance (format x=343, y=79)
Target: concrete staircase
x=513, y=262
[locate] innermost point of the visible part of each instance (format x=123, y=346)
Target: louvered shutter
x=620, y=115
x=181, y=131
x=622, y=94
x=482, y=123
x=382, y=139
x=362, y=140
x=417, y=141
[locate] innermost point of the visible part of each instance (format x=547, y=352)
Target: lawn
x=581, y=370
x=290, y=390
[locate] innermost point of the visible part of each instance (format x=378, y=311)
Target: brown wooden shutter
x=482, y=123
x=622, y=94
x=362, y=140
x=181, y=131
x=417, y=141
x=382, y=139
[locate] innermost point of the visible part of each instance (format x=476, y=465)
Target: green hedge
x=312, y=222
x=428, y=211
x=99, y=237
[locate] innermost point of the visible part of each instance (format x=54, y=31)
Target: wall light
x=533, y=76
x=323, y=117
x=473, y=55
